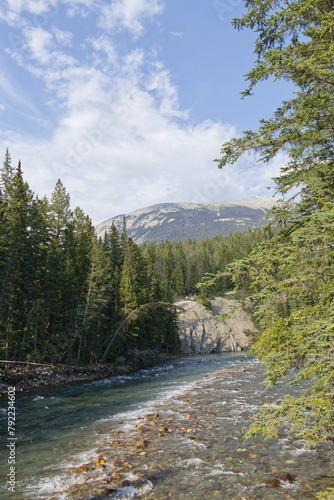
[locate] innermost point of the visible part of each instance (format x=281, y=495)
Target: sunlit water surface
x=59, y=426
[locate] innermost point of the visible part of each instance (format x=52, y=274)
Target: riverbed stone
x=286, y=477
x=142, y=444
x=217, y=461
x=272, y=483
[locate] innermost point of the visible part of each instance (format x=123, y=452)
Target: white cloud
x=42, y=11
x=258, y=176
x=121, y=140
x=129, y=14
x=105, y=45
x=114, y=148
x=11, y=89
x=63, y=37
x=38, y=6
x=40, y=46
x=12, y=10
x=177, y=34
x=39, y=43
x=133, y=61
x=160, y=83
x=114, y=163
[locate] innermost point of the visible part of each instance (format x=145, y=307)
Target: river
x=60, y=428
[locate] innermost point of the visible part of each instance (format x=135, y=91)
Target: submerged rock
x=272, y=483
x=142, y=444
x=287, y=478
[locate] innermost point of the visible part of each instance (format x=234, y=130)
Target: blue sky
x=129, y=101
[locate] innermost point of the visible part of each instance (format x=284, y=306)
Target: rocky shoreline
x=30, y=376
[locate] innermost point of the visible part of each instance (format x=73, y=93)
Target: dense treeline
x=181, y=266
x=64, y=292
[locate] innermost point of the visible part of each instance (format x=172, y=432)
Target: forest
x=64, y=292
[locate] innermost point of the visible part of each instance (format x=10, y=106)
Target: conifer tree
x=292, y=274
x=96, y=319
x=4, y=271
x=81, y=248
x=60, y=209
x=7, y=176
x=37, y=318
x=124, y=236
x=127, y=292
x=116, y=261
x=19, y=273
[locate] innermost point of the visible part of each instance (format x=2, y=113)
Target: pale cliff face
x=201, y=332
x=180, y=221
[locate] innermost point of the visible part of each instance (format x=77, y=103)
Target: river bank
x=29, y=376
x=191, y=446
x=200, y=332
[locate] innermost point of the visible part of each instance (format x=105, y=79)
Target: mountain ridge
x=182, y=220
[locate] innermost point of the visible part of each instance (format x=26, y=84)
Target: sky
x=128, y=102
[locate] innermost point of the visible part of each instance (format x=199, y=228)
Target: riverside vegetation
x=65, y=292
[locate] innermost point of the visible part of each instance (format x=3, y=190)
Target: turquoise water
x=57, y=425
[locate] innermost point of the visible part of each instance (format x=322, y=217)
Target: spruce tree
x=7, y=176
x=60, y=209
x=127, y=291
x=292, y=274
x=98, y=315
x=116, y=261
x=19, y=271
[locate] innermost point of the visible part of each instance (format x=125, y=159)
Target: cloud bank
x=107, y=115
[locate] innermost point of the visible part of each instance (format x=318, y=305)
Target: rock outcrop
x=202, y=332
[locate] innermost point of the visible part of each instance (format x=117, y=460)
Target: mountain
x=180, y=221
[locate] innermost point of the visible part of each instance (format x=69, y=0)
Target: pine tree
x=37, y=318
x=98, y=318
x=60, y=209
x=7, y=176
x=124, y=236
x=5, y=245
x=127, y=291
x=18, y=272
x=116, y=261
x=80, y=248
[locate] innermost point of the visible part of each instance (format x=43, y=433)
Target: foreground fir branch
x=291, y=276
x=307, y=418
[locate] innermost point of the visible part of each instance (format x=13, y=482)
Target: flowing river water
x=173, y=431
